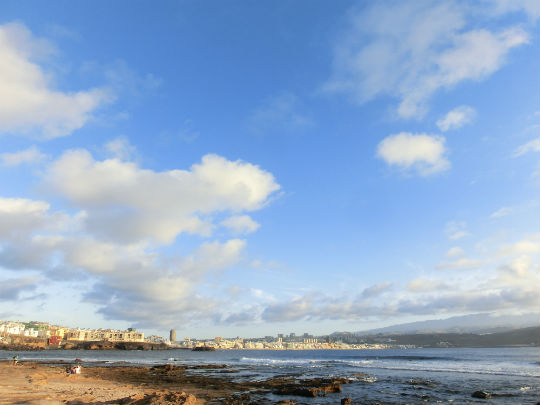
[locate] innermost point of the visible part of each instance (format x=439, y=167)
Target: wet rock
x=481, y=395
x=346, y=401
x=237, y=399
x=286, y=402
x=168, y=369
x=310, y=392
x=311, y=388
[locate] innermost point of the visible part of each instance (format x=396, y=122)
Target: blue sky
x=252, y=168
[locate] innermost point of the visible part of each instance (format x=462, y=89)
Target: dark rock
x=310, y=392
x=481, y=395
x=346, y=401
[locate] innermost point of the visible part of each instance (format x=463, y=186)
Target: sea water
x=390, y=376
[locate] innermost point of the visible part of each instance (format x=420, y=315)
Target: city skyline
x=244, y=168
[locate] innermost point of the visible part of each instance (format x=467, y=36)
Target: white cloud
x=120, y=148
x=531, y=146
x=410, y=50
x=29, y=156
x=28, y=103
x=456, y=118
x=455, y=252
x=376, y=290
x=240, y=224
x=502, y=212
x=425, y=285
x=116, y=241
x=460, y=263
x=157, y=205
x=420, y=152
x=525, y=246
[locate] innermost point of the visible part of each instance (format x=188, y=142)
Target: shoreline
x=48, y=383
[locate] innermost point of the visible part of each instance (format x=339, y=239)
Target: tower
x=172, y=336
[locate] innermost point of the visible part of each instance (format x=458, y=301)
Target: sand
x=41, y=384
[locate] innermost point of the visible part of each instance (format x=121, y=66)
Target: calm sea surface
x=394, y=376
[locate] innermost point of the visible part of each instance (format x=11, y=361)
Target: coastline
x=48, y=383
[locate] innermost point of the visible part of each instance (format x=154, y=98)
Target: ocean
x=391, y=376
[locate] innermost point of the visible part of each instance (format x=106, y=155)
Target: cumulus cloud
x=422, y=153
x=123, y=218
x=531, y=146
x=529, y=245
x=28, y=103
x=126, y=203
x=411, y=50
x=456, y=118
x=27, y=156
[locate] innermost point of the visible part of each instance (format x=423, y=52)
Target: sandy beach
x=45, y=384
x=34, y=383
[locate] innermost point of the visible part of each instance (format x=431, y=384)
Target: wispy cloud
x=28, y=156
x=413, y=50
x=532, y=146
x=456, y=230
x=456, y=118
x=502, y=212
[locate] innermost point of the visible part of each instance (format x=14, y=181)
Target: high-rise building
x=172, y=336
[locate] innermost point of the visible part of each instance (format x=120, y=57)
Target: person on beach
x=15, y=359
x=75, y=370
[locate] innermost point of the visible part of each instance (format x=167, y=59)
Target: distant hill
x=516, y=337
x=477, y=323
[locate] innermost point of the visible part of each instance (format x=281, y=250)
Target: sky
x=240, y=168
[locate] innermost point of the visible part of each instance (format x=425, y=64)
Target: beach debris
x=286, y=402
x=481, y=395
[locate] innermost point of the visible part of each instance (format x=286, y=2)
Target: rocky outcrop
x=311, y=388
x=481, y=395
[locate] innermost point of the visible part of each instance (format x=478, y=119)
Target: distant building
x=105, y=335
x=172, y=335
